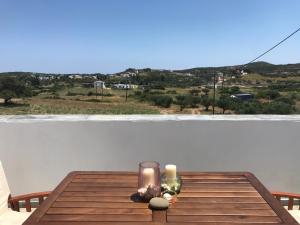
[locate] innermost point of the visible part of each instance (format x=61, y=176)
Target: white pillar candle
x=170, y=171
x=148, y=176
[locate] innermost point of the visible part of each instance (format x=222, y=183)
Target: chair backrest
x=4, y=191
x=291, y=197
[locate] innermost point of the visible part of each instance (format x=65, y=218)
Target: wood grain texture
x=105, y=198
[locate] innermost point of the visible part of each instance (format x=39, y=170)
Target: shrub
x=162, y=100
x=90, y=93
x=158, y=87
x=270, y=94
x=195, y=92
x=278, y=107
x=172, y=92
x=69, y=93
x=154, y=92
x=250, y=107
x=286, y=100
x=187, y=101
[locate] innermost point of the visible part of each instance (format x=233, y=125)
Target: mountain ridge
x=261, y=67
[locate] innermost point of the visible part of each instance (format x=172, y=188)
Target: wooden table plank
x=220, y=194
x=115, y=205
x=94, y=199
x=104, y=198
x=200, y=206
x=97, y=193
x=221, y=211
x=91, y=211
x=221, y=199
x=222, y=218
x=103, y=217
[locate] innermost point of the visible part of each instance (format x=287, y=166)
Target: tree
x=224, y=102
x=206, y=91
x=10, y=88
x=206, y=102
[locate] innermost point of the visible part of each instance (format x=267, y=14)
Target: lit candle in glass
x=149, y=180
x=170, y=171
x=148, y=176
x=170, y=180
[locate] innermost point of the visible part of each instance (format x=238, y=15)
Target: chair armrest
x=286, y=194
x=14, y=201
x=290, y=196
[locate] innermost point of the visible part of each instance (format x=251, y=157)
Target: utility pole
x=96, y=86
x=214, y=98
x=222, y=81
x=102, y=90
x=126, y=94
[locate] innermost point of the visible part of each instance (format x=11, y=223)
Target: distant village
x=97, y=83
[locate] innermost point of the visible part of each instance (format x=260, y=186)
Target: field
x=153, y=92
x=80, y=103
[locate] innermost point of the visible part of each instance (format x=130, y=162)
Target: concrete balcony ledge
x=38, y=151
x=136, y=118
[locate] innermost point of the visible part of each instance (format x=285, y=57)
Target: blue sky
x=85, y=36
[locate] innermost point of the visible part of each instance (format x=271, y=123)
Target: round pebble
x=167, y=196
x=158, y=203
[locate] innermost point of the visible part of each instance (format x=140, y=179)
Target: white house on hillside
x=99, y=84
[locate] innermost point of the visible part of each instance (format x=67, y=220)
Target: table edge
x=261, y=189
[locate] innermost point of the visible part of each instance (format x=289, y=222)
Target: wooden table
x=105, y=198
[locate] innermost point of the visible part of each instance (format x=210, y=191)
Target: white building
x=243, y=73
x=99, y=84
x=125, y=86
x=76, y=76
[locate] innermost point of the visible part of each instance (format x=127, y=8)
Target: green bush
x=187, y=101
x=90, y=93
x=278, y=107
x=249, y=107
x=69, y=93
x=154, y=92
x=162, y=100
x=157, y=87
x=172, y=92
x=287, y=100
x=268, y=94
x=195, y=92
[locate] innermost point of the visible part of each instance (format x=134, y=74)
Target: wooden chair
x=10, y=206
x=291, y=199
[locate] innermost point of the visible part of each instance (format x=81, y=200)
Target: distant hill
x=271, y=69
x=263, y=68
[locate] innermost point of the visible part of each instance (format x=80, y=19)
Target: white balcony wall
x=37, y=153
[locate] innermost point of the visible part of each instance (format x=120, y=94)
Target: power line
x=279, y=43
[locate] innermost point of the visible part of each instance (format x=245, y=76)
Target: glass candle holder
x=149, y=180
x=171, y=185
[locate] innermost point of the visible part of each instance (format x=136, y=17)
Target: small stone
x=167, y=196
x=158, y=203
